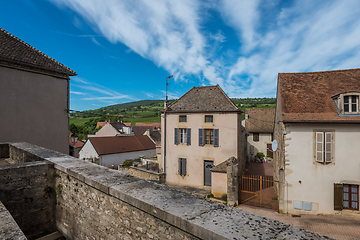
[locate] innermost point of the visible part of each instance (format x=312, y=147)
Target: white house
x=259, y=124
x=199, y=130
x=317, y=127
x=111, y=129
x=108, y=151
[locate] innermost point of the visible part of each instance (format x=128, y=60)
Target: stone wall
x=95, y=202
x=26, y=189
x=145, y=174
x=9, y=229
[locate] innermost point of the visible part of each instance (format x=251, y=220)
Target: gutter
x=212, y=111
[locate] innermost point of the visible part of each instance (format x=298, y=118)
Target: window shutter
x=176, y=139
x=188, y=132
x=319, y=146
x=216, y=137
x=183, y=166
x=201, y=137
x=338, y=196
x=180, y=166
x=328, y=147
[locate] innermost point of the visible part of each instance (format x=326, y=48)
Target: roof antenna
x=167, y=83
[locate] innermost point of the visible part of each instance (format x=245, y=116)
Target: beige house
x=259, y=124
x=200, y=130
x=317, y=127
x=34, y=96
x=110, y=129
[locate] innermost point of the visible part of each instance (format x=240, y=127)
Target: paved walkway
x=336, y=227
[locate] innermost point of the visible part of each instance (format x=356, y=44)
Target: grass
x=79, y=121
x=147, y=119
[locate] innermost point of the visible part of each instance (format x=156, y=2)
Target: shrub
x=224, y=197
x=260, y=155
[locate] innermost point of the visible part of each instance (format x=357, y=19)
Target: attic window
x=351, y=103
x=347, y=103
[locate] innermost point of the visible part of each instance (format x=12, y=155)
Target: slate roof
x=121, y=144
x=306, y=97
x=14, y=51
x=140, y=130
x=221, y=167
x=155, y=135
x=260, y=120
x=203, y=99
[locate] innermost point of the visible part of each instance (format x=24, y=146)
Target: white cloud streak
x=304, y=36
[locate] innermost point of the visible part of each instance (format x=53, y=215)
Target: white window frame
x=324, y=146
x=183, y=136
x=350, y=103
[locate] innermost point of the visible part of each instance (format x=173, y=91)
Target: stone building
x=34, y=95
x=259, y=124
x=200, y=130
x=317, y=127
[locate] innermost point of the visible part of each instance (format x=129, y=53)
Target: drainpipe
x=166, y=103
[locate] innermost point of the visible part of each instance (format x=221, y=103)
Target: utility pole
x=164, y=132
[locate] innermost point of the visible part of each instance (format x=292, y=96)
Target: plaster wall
x=259, y=146
x=218, y=184
x=119, y=158
x=88, y=151
x=195, y=155
x=309, y=181
x=34, y=109
x=106, y=131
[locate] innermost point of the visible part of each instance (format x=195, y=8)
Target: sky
x=122, y=51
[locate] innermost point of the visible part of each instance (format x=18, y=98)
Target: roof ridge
x=217, y=85
x=180, y=97
x=37, y=50
x=339, y=70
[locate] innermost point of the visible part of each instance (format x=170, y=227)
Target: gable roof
x=306, y=97
x=18, y=53
x=260, y=120
x=221, y=167
x=203, y=99
x=140, y=130
x=121, y=144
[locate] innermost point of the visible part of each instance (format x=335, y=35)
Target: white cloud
x=77, y=93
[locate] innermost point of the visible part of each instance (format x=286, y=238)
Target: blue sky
x=123, y=50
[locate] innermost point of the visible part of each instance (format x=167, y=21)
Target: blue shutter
x=188, y=132
x=184, y=166
x=201, y=137
x=216, y=137
x=180, y=166
x=176, y=139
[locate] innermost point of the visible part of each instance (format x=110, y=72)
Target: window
x=346, y=196
x=351, y=197
x=182, y=166
x=324, y=146
x=255, y=137
x=182, y=136
x=351, y=104
x=209, y=137
x=182, y=118
x=209, y=118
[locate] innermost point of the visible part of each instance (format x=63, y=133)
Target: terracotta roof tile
x=77, y=144
x=121, y=144
x=306, y=97
x=210, y=98
x=14, y=50
x=260, y=120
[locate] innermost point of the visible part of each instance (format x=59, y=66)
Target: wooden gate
x=259, y=191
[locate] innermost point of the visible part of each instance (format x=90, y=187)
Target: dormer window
x=347, y=103
x=351, y=104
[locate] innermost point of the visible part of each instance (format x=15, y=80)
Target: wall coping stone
x=147, y=171
x=8, y=227
x=197, y=216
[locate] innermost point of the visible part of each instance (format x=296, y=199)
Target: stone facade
x=95, y=202
x=145, y=174
x=9, y=229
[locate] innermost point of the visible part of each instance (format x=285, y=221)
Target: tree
x=73, y=128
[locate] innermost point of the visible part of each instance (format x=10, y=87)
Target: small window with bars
x=209, y=118
x=324, y=147
x=182, y=118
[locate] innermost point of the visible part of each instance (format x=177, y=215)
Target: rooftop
x=14, y=51
x=203, y=99
x=306, y=97
x=260, y=120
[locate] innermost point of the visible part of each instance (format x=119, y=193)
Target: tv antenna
x=167, y=83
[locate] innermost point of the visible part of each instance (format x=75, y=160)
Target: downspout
x=165, y=144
